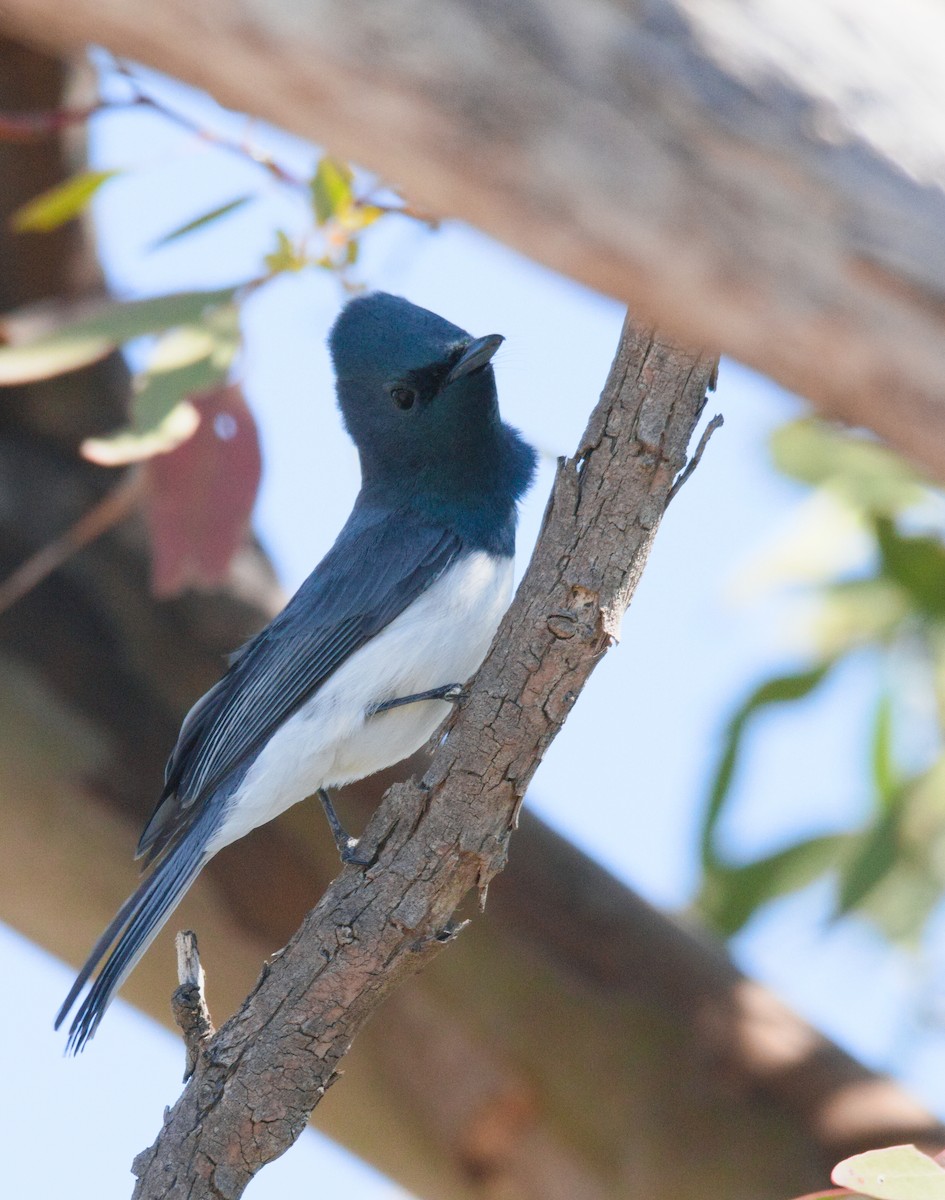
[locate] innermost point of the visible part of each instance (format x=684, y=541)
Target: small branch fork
x=188, y=1002
x=435, y=841
x=716, y=423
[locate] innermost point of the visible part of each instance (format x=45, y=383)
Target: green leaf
x=917, y=564
x=285, y=257
x=223, y=325
x=79, y=343
x=780, y=690
x=885, y=775
x=873, y=861
x=902, y=901
x=896, y=1173
x=130, y=446
x=215, y=214
x=332, y=190
x=358, y=217
x=161, y=391
x=54, y=354
x=859, y=612
x=59, y=204
x=731, y=895
x=864, y=472
x=186, y=361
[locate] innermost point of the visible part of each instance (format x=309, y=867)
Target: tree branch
x=765, y=178
x=189, y=1004
x=686, y=473
x=102, y=516
x=257, y=1083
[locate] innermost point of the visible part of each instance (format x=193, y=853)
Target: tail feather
x=134, y=927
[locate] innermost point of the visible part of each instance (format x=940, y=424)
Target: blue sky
x=626, y=778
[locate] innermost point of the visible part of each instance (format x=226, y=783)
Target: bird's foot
x=347, y=845
x=452, y=693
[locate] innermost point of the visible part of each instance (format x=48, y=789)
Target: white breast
x=440, y=639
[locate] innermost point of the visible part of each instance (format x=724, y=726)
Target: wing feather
x=377, y=567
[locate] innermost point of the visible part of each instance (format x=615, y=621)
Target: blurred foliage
x=185, y=362
x=201, y=330
x=196, y=337
x=66, y=342
x=207, y=218
x=890, y=609
x=893, y=1173
x=59, y=204
x=890, y=1173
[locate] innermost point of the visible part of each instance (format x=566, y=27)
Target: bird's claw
x=349, y=853
x=347, y=845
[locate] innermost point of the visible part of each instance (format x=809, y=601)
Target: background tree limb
x=764, y=178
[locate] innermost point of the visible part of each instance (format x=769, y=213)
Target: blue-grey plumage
x=407, y=600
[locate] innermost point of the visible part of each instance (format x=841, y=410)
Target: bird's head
x=416, y=392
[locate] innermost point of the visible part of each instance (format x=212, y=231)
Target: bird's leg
x=452, y=693
x=347, y=845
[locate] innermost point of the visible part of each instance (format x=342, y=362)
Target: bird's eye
x=403, y=397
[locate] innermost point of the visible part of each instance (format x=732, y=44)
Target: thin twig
x=42, y=123
x=101, y=517
x=716, y=423
x=33, y=126
x=188, y=1003
x=431, y=220
x=242, y=148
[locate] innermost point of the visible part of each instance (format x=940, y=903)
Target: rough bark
x=572, y=1027
x=763, y=178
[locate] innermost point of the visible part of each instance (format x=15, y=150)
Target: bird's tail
x=134, y=927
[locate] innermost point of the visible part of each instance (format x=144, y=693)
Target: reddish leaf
x=201, y=495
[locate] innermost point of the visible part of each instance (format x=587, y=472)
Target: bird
x=359, y=669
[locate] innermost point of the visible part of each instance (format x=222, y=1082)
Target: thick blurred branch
x=764, y=178
x=113, y=508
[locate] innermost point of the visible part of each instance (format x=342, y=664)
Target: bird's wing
x=375, y=569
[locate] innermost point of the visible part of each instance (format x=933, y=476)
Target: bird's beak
x=476, y=355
